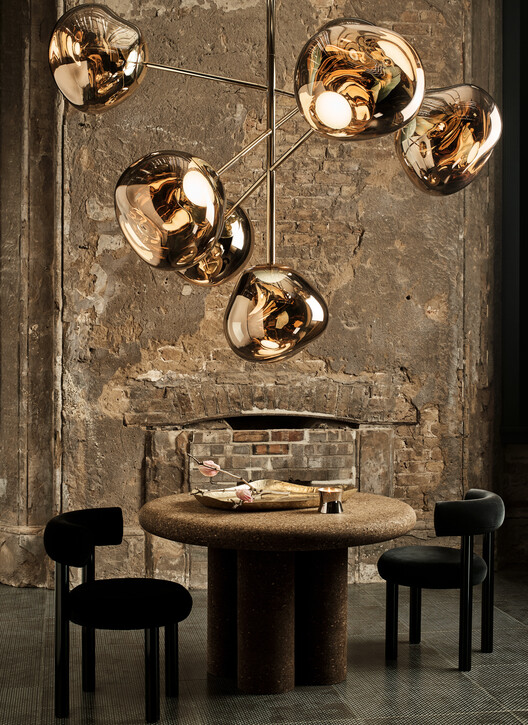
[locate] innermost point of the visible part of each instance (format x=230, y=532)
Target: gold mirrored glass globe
x=97, y=59
x=354, y=80
x=170, y=207
x=228, y=255
x=272, y=314
x=448, y=143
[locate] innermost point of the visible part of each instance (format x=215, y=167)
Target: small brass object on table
x=330, y=500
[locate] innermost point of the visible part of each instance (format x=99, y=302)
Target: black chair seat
x=128, y=603
x=70, y=539
x=428, y=567
x=439, y=567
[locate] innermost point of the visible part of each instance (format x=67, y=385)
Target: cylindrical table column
x=266, y=608
x=222, y=612
x=321, y=617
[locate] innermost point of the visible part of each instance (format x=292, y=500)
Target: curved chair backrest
x=69, y=538
x=481, y=512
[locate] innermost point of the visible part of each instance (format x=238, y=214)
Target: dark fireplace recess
x=284, y=422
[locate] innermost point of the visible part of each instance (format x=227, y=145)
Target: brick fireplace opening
x=298, y=450
x=295, y=448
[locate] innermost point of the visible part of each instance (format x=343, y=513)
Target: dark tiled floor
x=424, y=688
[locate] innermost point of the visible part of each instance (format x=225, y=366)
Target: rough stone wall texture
x=28, y=303
x=409, y=279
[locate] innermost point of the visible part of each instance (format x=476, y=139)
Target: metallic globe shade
x=446, y=146
x=228, y=255
x=96, y=58
x=354, y=80
x=272, y=314
x=170, y=207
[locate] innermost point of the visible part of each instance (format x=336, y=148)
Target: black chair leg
x=488, y=594
x=88, y=659
x=152, y=675
x=391, y=622
x=415, y=617
x=62, y=643
x=171, y=660
x=466, y=604
x=88, y=635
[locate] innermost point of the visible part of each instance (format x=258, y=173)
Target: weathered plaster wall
x=29, y=303
x=408, y=279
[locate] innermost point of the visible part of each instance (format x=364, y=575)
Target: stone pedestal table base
x=277, y=619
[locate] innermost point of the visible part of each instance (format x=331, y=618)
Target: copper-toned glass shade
x=354, y=80
x=229, y=253
x=448, y=143
x=170, y=207
x=97, y=58
x=272, y=314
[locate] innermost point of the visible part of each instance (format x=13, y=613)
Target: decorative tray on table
x=268, y=495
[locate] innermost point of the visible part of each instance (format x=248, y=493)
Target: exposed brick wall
x=176, y=399
x=303, y=455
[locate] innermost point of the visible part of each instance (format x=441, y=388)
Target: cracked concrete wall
x=408, y=278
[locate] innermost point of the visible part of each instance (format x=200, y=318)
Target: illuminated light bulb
x=272, y=314
x=449, y=142
x=376, y=74
x=197, y=188
x=97, y=59
x=333, y=110
x=228, y=255
x=159, y=220
x=131, y=64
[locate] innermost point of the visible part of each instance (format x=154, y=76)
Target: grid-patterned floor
x=424, y=688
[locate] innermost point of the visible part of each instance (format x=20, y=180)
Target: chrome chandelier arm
x=256, y=142
x=264, y=176
x=219, y=79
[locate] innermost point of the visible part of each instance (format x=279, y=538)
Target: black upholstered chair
x=70, y=540
x=441, y=567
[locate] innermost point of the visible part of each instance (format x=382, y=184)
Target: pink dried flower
x=244, y=493
x=209, y=468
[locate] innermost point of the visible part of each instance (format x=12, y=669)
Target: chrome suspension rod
x=264, y=176
x=270, y=156
x=219, y=79
x=256, y=142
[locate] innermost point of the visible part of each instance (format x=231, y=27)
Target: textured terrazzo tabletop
x=366, y=519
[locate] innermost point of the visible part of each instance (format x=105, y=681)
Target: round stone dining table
x=277, y=583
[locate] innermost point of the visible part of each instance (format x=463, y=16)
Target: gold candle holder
x=330, y=500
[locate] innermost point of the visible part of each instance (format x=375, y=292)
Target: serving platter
x=268, y=495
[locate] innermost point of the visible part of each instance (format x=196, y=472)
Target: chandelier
x=353, y=81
